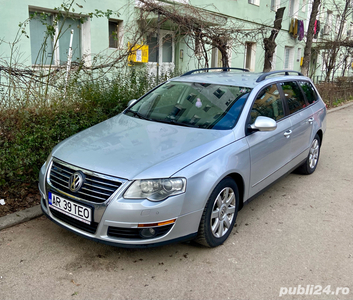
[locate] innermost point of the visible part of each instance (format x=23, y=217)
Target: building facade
x=94, y=29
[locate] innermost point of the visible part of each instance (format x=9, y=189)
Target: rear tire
x=219, y=215
x=309, y=166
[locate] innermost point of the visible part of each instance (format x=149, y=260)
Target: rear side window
x=309, y=91
x=293, y=96
x=268, y=103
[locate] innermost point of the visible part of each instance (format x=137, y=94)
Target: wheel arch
x=321, y=135
x=241, y=187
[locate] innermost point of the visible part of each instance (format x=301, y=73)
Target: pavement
x=294, y=241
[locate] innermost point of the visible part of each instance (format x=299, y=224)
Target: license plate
x=70, y=208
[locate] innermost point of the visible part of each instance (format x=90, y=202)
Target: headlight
x=155, y=189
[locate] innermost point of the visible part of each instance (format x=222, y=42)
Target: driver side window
x=268, y=104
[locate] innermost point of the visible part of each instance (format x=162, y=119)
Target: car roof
x=238, y=78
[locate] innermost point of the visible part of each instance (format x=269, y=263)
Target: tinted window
x=200, y=105
x=309, y=91
x=293, y=96
x=268, y=103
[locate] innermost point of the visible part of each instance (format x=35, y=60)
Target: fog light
x=148, y=233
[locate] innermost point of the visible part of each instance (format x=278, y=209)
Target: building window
x=43, y=43
x=350, y=31
x=115, y=33
x=324, y=56
x=288, y=58
x=250, y=55
x=299, y=54
x=162, y=52
x=328, y=24
x=255, y=2
x=293, y=8
x=275, y=4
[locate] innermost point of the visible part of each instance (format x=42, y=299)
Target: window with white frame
x=288, y=58
x=338, y=23
x=115, y=33
x=161, y=51
x=328, y=24
x=50, y=40
x=255, y=2
x=293, y=8
x=299, y=54
x=324, y=57
x=350, y=31
x=250, y=56
x=275, y=4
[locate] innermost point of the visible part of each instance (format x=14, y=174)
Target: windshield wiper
x=172, y=121
x=135, y=113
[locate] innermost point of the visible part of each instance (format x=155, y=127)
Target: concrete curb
x=340, y=107
x=34, y=212
x=20, y=217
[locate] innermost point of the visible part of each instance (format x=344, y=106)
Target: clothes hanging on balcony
x=301, y=30
x=295, y=31
x=293, y=28
x=316, y=29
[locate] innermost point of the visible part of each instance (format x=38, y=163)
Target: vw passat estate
x=180, y=162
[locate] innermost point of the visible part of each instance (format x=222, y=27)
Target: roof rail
x=286, y=73
x=225, y=69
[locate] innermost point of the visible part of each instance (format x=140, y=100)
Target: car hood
x=133, y=148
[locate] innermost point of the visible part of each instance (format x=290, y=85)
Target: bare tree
x=202, y=29
x=309, y=37
x=269, y=43
x=337, y=40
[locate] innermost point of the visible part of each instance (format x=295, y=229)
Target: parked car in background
x=181, y=161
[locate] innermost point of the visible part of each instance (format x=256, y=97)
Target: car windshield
x=200, y=105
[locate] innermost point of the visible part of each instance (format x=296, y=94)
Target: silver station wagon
x=181, y=161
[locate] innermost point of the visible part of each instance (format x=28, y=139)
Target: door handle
x=288, y=133
x=311, y=120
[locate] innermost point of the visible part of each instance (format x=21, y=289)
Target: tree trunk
x=309, y=38
x=269, y=43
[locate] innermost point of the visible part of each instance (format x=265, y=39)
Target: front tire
x=309, y=166
x=219, y=215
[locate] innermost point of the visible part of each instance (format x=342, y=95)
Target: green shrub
x=28, y=133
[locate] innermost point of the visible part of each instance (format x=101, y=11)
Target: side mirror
x=264, y=124
x=131, y=102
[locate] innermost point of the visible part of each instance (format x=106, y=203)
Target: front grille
x=134, y=233
x=95, y=189
x=73, y=222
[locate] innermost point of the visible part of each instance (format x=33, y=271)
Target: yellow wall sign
x=138, y=53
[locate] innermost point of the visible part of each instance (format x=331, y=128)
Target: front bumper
x=117, y=243
x=123, y=216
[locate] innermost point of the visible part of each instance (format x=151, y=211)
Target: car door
x=301, y=116
x=269, y=150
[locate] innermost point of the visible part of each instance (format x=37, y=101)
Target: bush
x=337, y=92
x=28, y=133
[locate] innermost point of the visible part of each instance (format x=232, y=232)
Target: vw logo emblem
x=76, y=181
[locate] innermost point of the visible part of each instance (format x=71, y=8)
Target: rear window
x=309, y=91
x=293, y=96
